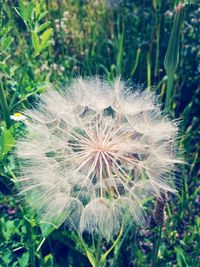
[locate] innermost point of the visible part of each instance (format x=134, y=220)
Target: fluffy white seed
x=94, y=153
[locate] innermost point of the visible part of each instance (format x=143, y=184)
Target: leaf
x=20, y=13
x=48, y=259
x=4, y=30
x=4, y=68
x=21, y=5
x=104, y=256
x=91, y=258
x=6, y=141
x=28, y=10
x=6, y=257
x=88, y=252
x=37, y=9
x=42, y=15
x=25, y=12
x=39, y=88
x=35, y=41
x=47, y=228
x=43, y=26
x=7, y=42
x=23, y=260
x=181, y=257
x=171, y=59
x=45, y=38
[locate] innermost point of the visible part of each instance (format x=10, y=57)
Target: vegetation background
x=45, y=41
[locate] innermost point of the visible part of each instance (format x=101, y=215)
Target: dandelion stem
x=4, y=105
x=98, y=251
x=156, y=247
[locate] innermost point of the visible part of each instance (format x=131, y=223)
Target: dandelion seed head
x=94, y=153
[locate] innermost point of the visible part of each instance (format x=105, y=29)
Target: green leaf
x=47, y=228
x=25, y=12
x=23, y=260
x=45, y=38
x=42, y=15
x=136, y=61
x=7, y=42
x=21, y=5
x=6, y=257
x=172, y=55
x=48, y=259
x=43, y=26
x=4, y=30
x=88, y=252
x=181, y=257
x=35, y=41
x=91, y=258
x=104, y=256
x=6, y=141
x=4, y=68
x=21, y=15
x=37, y=9
x=28, y=11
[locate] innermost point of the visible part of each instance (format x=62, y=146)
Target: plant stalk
x=149, y=70
x=156, y=70
x=169, y=92
x=98, y=252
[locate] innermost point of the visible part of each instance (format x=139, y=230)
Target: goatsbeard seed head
x=94, y=153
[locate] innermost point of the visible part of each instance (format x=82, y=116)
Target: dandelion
x=94, y=153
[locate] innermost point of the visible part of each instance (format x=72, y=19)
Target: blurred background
x=46, y=41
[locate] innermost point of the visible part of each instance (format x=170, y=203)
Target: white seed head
x=94, y=153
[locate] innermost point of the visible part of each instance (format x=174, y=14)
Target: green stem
x=156, y=247
x=61, y=30
x=136, y=62
x=149, y=70
x=98, y=251
x=157, y=48
x=4, y=105
x=170, y=83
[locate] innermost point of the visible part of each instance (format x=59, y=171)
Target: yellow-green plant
x=172, y=55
